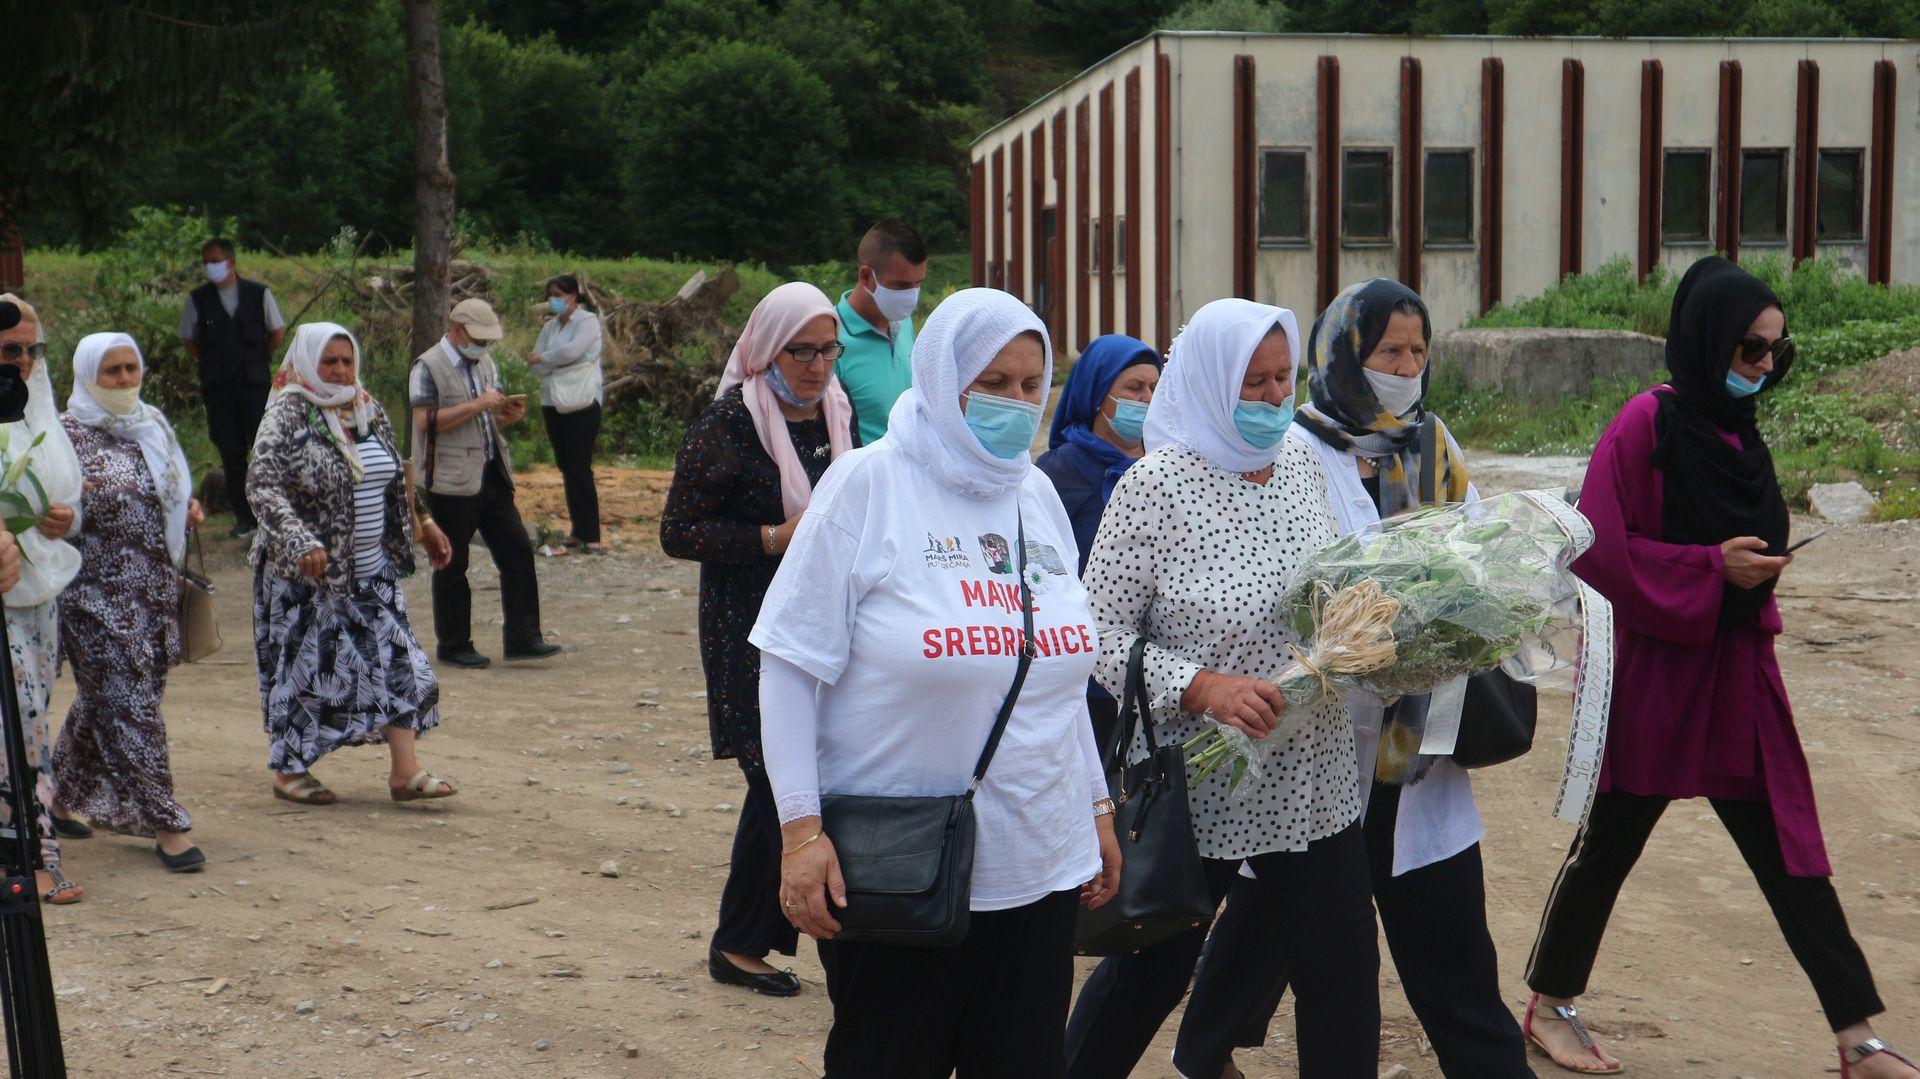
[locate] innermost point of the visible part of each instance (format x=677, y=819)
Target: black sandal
x=71, y=828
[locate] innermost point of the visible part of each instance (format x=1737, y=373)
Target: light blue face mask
x=1004, y=426
x=777, y=382
x=1129, y=418
x=1740, y=387
x=557, y=304
x=1263, y=425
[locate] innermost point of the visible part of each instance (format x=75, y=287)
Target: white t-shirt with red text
x=902, y=598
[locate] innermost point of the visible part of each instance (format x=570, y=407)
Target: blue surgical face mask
x=777, y=382
x=1129, y=418
x=557, y=304
x=1740, y=387
x=1003, y=425
x=1263, y=425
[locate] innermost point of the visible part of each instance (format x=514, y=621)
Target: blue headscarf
x=1081, y=399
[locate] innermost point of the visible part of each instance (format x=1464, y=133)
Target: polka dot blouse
x=1194, y=557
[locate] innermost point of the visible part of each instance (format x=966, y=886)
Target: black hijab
x=1715, y=492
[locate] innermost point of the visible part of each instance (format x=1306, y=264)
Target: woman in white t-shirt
x=1193, y=550
x=888, y=641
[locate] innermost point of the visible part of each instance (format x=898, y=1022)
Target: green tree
x=1243, y=16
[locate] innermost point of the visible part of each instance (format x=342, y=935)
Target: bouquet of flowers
x=1419, y=601
x=17, y=509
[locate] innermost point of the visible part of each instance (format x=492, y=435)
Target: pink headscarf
x=774, y=322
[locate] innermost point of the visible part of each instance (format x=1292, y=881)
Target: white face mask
x=218, y=271
x=117, y=401
x=895, y=304
x=1398, y=394
x=474, y=351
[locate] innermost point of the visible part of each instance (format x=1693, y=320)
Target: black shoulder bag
x=1497, y=718
x=908, y=862
x=1163, y=889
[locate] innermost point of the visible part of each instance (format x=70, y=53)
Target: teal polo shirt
x=874, y=371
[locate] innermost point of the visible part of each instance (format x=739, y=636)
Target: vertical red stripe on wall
x=997, y=208
x=1493, y=153
x=1241, y=250
x=1727, y=226
x=1062, y=234
x=1162, y=199
x=1411, y=174
x=977, y=221
x=1806, y=162
x=1573, y=164
x=1327, y=189
x=1108, y=321
x=1132, y=250
x=1036, y=208
x=1652, y=146
x=1083, y=235
x=1880, y=197
x=1017, y=217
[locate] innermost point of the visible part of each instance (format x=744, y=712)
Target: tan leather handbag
x=199, y=631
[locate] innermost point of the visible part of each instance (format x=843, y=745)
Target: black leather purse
x=1163, y=889
x=908, y=862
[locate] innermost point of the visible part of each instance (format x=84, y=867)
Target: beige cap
x=481, y=323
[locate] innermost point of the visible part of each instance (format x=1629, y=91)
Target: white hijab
x=1200, y=387
x=46, y=565
x=146, y=427
x=340, y=406
x=960, y=339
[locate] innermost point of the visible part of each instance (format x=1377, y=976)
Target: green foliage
x=1245, y=16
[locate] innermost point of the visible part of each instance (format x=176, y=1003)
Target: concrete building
x=1281, y=167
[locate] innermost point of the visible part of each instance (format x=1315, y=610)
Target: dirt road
x=482, y=936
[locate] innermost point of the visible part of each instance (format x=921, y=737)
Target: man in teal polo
x=876, y=323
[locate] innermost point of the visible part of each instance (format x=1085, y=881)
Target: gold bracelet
x=803, y=844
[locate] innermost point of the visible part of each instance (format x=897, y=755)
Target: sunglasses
x=1753, y=346
x=13, y=352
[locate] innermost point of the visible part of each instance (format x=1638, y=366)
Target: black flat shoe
x=72, y=829
x=465, y=657
x=187, y=861
x=536, y=650
x=778, y=984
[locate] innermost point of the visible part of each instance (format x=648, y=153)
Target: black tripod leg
x=26, y=994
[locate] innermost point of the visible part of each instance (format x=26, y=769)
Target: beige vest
x=459, y=452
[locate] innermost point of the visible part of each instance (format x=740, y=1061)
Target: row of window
x=1366, y=196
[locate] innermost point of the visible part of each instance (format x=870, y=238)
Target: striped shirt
x=370, y=508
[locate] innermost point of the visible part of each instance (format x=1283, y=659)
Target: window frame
x=1096, y=241
x=1784, y=200
x=1859, y=234
x=1385, y=240
x=1705, y=236
x=1427, y=242
x=1277, y=240
x=1119, y=245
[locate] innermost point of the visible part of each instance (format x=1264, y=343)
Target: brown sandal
x=63, y=891
x=422, y=786
x=306, y=790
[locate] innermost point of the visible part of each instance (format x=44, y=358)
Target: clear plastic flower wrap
x=1419, y=601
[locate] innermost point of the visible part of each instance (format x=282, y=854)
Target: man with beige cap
x=463, y=463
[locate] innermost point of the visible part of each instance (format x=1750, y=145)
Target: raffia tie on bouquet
x=1356, y=637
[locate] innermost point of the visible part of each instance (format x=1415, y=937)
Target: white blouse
x=1195, y=557
x=562, y=345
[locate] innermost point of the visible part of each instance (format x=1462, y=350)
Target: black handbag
x=1499, y=712
x=1163, y=889
x=908, y=862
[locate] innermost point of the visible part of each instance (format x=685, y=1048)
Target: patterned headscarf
x=1344, y=411
x=340, y=407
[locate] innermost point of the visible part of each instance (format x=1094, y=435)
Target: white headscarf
x=47, y=565
x=1200, y=387
x=341, y=406
x=960, y=339
x=146, y=427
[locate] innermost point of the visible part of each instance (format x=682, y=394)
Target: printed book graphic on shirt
x=945, y=552
x=997, y=553
x=1046, y=556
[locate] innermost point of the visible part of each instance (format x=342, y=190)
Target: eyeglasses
x=14, y=351
x=806, y=354
x=1753, y=346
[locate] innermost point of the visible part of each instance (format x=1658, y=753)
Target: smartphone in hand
x=1806, y=541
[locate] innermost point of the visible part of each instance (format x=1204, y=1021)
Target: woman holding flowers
x=119, y=619
x=42, y=482
x=1195, y=547
x=338, y=661
x=1691, y=539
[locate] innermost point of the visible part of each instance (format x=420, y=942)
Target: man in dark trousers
x=233, y=327
x=463, y=462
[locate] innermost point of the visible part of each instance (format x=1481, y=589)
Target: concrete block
x=1541, y=366
x=1842, y=503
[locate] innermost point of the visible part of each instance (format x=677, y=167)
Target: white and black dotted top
x=1195, y=557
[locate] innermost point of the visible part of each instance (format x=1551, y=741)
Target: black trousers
x=574, y=436
x=1435, y=919
x=750, y=919
x=233, y=419
x=1324, y=922
x=493, y=514
x=1604, y=853
x=990, y=1007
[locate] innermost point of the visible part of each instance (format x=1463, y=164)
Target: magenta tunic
x=1699, y=709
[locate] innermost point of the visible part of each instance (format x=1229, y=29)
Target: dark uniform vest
x=233, y=348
